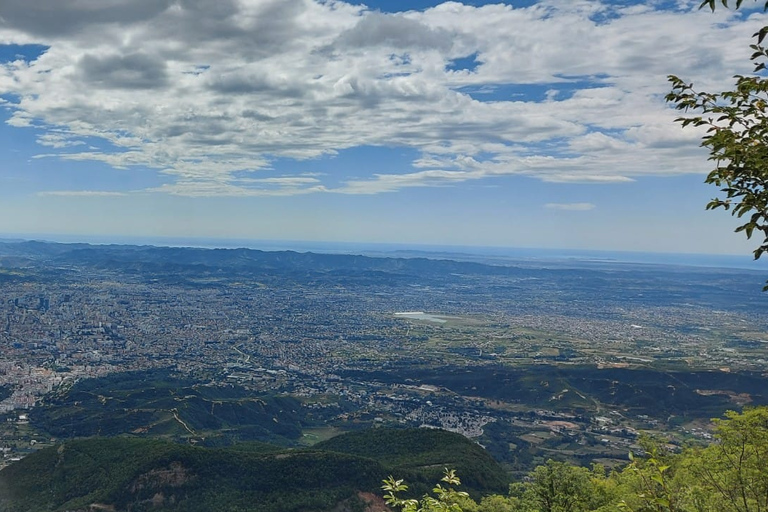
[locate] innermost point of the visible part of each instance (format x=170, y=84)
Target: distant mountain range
x=659, y=284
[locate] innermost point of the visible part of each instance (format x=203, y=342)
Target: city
x=356, y=348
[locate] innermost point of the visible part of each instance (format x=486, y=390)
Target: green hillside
x=157, y=403
x=142, y=474
x=421, y=456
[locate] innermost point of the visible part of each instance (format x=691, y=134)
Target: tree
x=498, y=503
x=649, y=484
x=729, y=475
x=734, y=470
x=560, y=487
x=736, y=136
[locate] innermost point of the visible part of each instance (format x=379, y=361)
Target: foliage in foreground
x=736, y=124
x=730, y=475
x=446, y=498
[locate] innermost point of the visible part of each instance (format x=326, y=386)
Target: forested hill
x=138, y=474
x=344, y=474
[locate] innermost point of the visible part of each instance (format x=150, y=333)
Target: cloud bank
x=212, y=94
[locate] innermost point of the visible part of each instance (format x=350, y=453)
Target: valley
x=533, y=361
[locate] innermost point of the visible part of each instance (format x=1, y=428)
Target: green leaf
x=761, y=34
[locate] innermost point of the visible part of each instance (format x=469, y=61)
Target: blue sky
x=520, y=124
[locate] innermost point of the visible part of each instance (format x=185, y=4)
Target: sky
x=517, y=124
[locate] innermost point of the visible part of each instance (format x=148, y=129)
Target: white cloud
x=214, y=189
x=57, y=141
x=212, y=93
x=81, y=193
x=571, y=207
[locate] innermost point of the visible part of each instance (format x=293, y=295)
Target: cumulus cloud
x=212, y=94
x=46, y=18
x=392, y=31
x=132, y=71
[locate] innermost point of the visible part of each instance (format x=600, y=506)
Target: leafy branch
x=737, y=138
x=713, y=3
x=445, y=499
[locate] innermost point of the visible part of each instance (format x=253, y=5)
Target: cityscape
x=359, y=345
